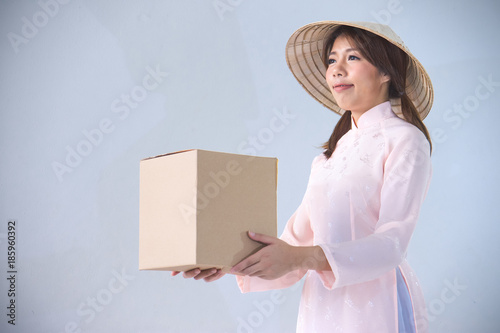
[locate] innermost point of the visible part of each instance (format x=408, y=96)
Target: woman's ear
x=385, y=77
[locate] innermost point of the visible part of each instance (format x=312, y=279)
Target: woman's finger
x=261, y=238
x=215, y=276
x=192, y=273
x=248, y=267
x=205, y=273
x=244, y=266
x=208, y=275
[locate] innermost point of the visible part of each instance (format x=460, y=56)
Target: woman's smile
x=341, y=87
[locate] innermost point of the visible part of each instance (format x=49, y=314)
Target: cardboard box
x=196, y=207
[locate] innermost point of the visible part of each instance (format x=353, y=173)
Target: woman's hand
x=271, y=262
x=208, y=275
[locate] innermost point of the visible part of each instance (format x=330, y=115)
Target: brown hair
x=389, y=59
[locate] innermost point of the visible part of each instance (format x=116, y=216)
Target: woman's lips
x=342, y=87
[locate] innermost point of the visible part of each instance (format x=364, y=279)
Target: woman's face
x=355, y=83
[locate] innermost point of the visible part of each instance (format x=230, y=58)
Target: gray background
x=77, y=230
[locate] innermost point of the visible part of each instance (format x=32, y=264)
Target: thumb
x=261, y=238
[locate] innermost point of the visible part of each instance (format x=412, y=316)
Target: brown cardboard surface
x=196, y=207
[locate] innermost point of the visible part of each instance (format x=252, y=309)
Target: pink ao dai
x=361, y=207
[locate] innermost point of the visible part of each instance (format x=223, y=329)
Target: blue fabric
x=405, y=311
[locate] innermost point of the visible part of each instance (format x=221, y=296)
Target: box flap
x=172, y=153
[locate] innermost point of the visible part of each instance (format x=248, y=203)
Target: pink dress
x=361, y=207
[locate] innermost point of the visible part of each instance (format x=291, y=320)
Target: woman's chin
x=344, y=106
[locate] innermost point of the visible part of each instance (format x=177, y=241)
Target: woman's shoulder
x=400, y=134
x=399, y=129
x=318, y=159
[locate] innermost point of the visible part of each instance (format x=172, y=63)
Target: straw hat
x=304, y=57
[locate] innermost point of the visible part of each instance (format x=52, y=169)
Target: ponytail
x=343, y=126
x=411, y=115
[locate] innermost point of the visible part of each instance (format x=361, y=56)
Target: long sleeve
x=406, y=177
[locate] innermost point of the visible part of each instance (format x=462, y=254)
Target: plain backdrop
x=76, y=119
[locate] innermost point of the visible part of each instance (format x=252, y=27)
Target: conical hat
x=304, y=57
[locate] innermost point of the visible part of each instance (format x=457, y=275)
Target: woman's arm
x=279, y=258
x=273, y=261
x=407, y=172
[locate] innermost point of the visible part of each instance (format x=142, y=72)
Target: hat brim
x=304, y=51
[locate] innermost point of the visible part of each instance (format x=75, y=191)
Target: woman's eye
x=331, y=61
x=351, y=57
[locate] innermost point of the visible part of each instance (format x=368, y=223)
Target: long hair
x=388, y=59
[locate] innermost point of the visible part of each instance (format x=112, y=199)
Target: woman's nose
x=338, y=69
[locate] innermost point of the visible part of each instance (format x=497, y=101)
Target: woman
x=352, y=229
